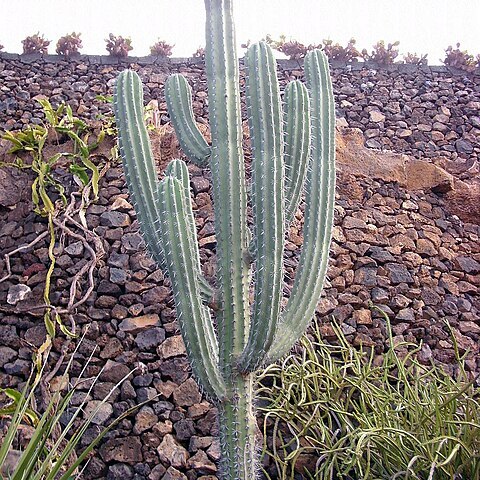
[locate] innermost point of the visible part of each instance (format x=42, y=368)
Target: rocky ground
x=395, y=247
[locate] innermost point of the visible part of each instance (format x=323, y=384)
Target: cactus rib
x=179, y=103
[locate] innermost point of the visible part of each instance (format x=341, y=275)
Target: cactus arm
x=178, y=169
x=228, y=179
x=179, y=240
x=266, y=133
x=319, y=204
x=297, y=145
x=179, y=103
x=137, y=157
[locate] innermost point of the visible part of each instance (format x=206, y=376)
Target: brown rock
x=171, y=347
x=137, y=324
x=187, y=394
x=172, y=453
x=124, y=450
x=354, y=158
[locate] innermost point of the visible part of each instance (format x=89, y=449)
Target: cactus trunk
x=226, y=337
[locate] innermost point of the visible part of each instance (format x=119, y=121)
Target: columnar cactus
x=226, y=337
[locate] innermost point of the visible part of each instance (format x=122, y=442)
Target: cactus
x=293, y=151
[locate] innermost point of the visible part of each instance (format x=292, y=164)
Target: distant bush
x=342, y=54
x=69, y=44
x=199, y=53
x=381, y=54
x=161, y=49
x=293, y=49
x=118, y=46
x=414, y=59
x=1, y=46
x=460, y=59
x=35, y=44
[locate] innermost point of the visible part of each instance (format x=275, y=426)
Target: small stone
x=75, y=249
x=155, y=296
x=150, y=339
x=124, y=450
x=404, y=132
x=184, y=429
x=366, y=276
x=174, y=474
x=115, y=219
x=133, y=242
x=406, y=315
x=431, y=297
x=118, y=275
x=7, y=354
x=18, y=367
x=467, y=265
x=362, y=316
x=464, y=147
x=172, y=347
x=104, y=411
x=201, y=463
x=380, y=254
x=144, y=420
x=114, y=372
x=112, y=348
x=200, y=184
x=119, y=471
x=426, y=247
x=398, y=273
x=172, y=453
x=17, y=293
x=187, y=394
x=158, y=471
x=137, y=324
x=376, y=116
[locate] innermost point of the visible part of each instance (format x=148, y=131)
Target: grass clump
x=336, y=412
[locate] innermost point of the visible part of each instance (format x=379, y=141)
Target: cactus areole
x=293, y=150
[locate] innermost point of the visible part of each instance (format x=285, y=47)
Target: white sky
x=421, y=26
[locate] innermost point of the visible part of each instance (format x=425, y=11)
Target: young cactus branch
x=181, y=254
x=297, y=144
x=266, y=134
x=319, y=204
x=137, y=157
x=179, y=103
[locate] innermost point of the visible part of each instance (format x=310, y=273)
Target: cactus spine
x=293, y=151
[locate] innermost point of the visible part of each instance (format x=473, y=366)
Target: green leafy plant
x=381, y=54
x=161, y=49
x=69, y=44
x=118, y=46
x=60, y=122
x=461, y=59
x=336, y=52
x=50, y=452
x=355, y=417
x=292, y=146
x=35, y=44
x=414, y=59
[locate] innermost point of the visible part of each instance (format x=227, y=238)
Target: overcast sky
x=421, y=26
